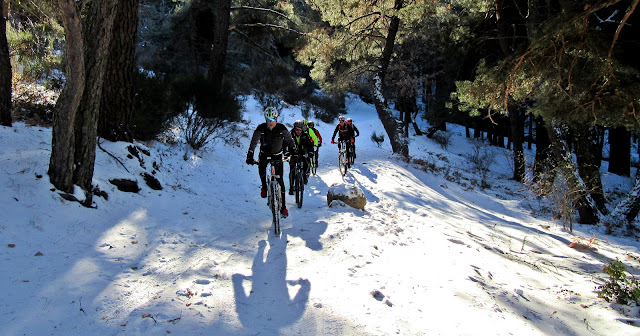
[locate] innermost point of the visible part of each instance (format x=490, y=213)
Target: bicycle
x=274, y=194
x=297, y=179
x=343, y=161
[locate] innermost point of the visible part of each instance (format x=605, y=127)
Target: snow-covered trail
x=427, y=256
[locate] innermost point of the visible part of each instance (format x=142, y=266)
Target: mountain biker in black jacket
x=304, y=147
x=274, y=139
x=344, y=131
x=354, y=133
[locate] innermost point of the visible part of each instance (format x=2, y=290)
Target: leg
x=262, y=171
x=279, y=170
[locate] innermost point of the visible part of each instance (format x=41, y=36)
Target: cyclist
x=274, y=138
x=318, y=144
x=344, y=132
x=303, y=147
x=354, y=134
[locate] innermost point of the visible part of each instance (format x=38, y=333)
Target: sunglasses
x=298, y=129
x=271, y=119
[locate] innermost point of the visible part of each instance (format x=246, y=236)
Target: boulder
x=349, y=194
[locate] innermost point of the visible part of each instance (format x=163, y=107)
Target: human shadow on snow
x=267, y=305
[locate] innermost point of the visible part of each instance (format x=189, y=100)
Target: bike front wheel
x=275, y=205
x=342, y=163
x=299, y=183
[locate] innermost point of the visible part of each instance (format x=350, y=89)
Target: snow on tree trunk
x=625, y=212
x=399, y=142
x=585, y=204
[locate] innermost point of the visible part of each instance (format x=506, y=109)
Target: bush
x=620, y=287
x=481, y=160
x=378, y=139
x=327, y=107
x=153, y=105
x=32, y=103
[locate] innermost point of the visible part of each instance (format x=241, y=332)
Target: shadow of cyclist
x=267, y=306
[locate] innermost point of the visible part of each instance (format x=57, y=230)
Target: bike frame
x=274, y=194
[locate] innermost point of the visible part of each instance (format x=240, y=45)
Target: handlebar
x=285, y=158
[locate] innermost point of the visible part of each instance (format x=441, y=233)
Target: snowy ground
x=432, y=254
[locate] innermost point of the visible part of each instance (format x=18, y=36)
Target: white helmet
x=270, y=113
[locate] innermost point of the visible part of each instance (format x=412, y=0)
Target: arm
x=257, y=134
x=334, y=133
x=288, y=140
x=318, y=135
x=314, y=138
x=356, y=130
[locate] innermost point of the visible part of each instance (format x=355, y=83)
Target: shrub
x=620, y=287
x=378, y=139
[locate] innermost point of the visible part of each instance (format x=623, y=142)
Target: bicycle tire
x=314, y=163
x=300, y=187
x=275, y=205
x=342, y=163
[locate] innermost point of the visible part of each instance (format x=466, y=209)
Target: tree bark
x=97, y=35
x=586, y=149
x=543, y=166
x=399, y=142
x=517, y=134
x=117, y=96
x=5, y=71
x=585, y=204
x=623, y=215
x=619, y=151
x=61, y=162
x=217, y=63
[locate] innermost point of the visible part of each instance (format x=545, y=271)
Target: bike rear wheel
x=275, y=205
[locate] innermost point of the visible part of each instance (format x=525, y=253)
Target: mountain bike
x=351, y=154
x=297, y=178
x=274, y=193
x=343, y=160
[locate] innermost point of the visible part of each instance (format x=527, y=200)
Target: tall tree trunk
x=623, y=215
x=543, y=166
x=117, y=96
x=61, y=162
x=5, y=70
x=97, y=34
x=586, y=149
x=218, y=59
x=75, y=122
x=399, y=142
x=578, y=191
x=619, y=151
x=517, y=134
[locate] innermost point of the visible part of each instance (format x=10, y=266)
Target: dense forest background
x=560, y=75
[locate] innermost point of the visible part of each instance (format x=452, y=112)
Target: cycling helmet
x=311, y=124
x=298, y=124
x=349, y=120
x=270, y=113
x=340, y=118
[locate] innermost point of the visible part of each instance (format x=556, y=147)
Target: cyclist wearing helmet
x=274, y=138
x=312, y=127
x=354, y=133
x=344, y=132
x=312, y=134
x=304, y=147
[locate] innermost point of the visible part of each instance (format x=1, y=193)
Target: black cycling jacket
x=272, y=141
